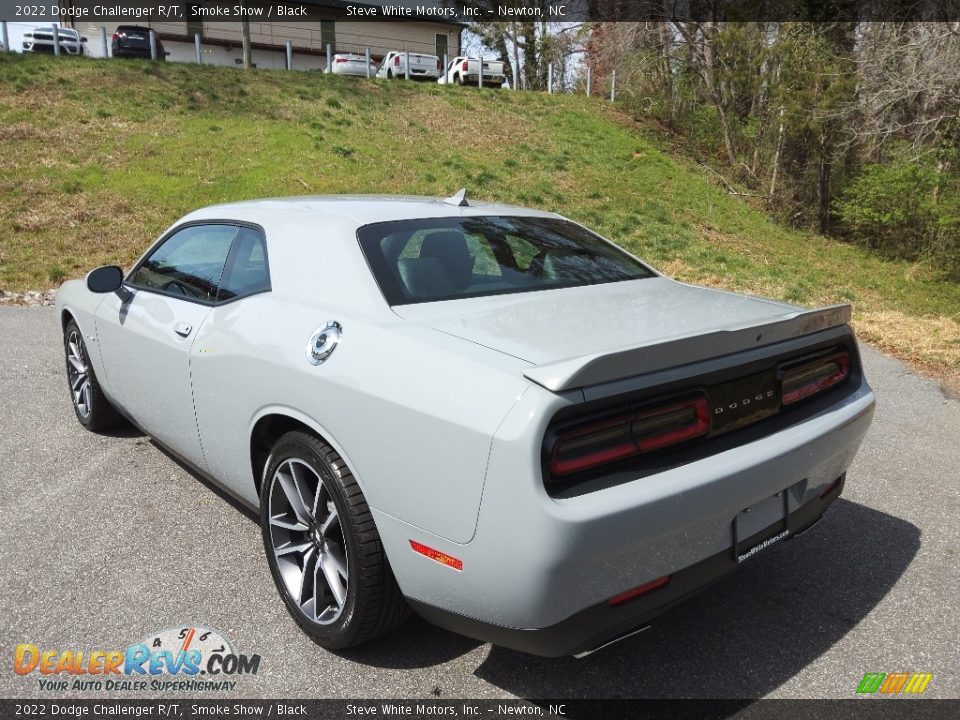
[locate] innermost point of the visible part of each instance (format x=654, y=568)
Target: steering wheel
x=178, y=287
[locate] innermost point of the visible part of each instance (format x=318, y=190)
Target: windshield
x=433, y=259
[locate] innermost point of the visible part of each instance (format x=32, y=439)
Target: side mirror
x=83, y=39
x=108, y=278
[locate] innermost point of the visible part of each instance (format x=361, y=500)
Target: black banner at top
x=472, y=11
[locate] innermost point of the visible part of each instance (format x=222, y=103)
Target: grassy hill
x=97, y=157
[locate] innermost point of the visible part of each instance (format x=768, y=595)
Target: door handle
x=183, y=329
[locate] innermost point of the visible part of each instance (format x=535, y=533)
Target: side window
x=189, y=262
x=246, y=271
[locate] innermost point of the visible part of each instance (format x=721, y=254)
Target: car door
x=145, y=339
x=230, y=377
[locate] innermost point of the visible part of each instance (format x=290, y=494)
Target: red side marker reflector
x=638, y=591
x=440, y=557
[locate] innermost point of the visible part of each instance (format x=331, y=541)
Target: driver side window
x=189, y=263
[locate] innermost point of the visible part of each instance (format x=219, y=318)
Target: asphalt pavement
x=106, y=540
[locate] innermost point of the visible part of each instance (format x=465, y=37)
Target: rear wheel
x=323, y=548
x=93, y=409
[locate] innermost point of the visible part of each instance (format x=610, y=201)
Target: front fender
x=74, y=300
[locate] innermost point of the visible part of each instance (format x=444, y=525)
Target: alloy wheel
x=78, y=374
x=307, y=541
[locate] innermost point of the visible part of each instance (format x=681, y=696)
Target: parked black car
x=133, y=41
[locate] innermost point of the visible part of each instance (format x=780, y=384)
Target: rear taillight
x=439, y=65
x=464, y=66
x=802, y=381
x=339, y=60
x=615, y=438
x=396, y=59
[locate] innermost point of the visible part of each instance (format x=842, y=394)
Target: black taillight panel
x=743, y=402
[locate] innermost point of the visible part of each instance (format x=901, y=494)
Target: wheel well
x=65, y=317
x=265, y=433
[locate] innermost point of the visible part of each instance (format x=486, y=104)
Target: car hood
x=548, y=326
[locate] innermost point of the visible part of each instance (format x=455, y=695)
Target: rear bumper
x=601, y=624
x=133, y=51
x=499, y=79
x=544, y=568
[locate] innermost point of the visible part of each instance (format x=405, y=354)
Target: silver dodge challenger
x=484, y=413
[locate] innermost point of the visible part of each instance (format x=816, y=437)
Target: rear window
x=434, y=259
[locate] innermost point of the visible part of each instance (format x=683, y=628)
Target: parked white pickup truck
x=422, y=67
x=466, y=71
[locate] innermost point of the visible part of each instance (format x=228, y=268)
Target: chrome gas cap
x=323, y=342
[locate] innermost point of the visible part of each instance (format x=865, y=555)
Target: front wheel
x=323, y=548
x=93, y=409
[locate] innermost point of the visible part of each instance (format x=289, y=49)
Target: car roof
x=360, y=209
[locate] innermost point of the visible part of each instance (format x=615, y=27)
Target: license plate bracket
x=773, y=514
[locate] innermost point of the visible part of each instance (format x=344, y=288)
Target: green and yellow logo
x=894, y=683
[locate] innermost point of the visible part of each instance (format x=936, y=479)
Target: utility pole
x=245, y=30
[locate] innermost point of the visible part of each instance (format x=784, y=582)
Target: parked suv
x=133, y=41
x=40, y=40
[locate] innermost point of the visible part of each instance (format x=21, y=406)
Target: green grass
x=98, y=157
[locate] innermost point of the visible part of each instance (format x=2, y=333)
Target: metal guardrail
x=292, y=40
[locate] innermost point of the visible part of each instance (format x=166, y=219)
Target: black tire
x=373, y=603
x=91, y=406
x=461, y=80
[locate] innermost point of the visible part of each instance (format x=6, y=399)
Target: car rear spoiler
x=635, y=360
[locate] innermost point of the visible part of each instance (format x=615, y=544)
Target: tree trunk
x=823, y=186
x=516, y=54
x=776, y=157
x=710, y=78
x=667, y=70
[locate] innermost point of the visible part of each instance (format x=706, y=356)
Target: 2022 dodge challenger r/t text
x=486, y=413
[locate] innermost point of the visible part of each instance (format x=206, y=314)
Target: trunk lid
x=575, y=337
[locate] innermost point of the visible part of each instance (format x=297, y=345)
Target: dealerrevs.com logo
x=190, y=658
x=901, y=683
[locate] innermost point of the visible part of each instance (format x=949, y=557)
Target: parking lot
x=106, y=540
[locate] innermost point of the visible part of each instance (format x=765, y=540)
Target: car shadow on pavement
x=415, y=644
x=746, y=635
x=124, y=430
